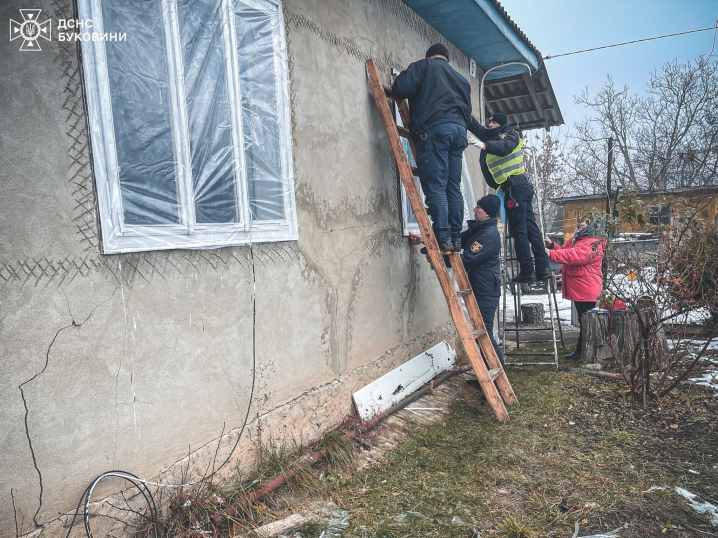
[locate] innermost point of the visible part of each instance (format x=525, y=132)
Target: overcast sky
x=558, y=26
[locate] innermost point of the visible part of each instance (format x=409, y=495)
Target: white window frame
x=119, y=237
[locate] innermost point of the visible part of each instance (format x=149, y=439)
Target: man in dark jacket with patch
x=440, y=105
x=503, y=168
x=482, y=248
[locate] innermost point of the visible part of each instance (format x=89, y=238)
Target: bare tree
x=679, y=126
x=549, y=177
x=669, y=281
x=667, y=138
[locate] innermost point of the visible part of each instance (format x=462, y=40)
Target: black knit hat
x=499, y=118
x=490, y=204
x=437, y=49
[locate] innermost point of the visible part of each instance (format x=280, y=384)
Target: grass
x=575, y=450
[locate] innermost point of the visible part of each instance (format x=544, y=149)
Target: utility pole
x=608, y=176
x=604, y=262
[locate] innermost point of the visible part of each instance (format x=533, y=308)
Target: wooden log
x=595, y=330
x=532, y=313
x=601, y=331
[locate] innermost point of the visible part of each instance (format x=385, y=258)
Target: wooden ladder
x=472, y=333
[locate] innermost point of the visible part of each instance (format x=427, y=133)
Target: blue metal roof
x=482, y=30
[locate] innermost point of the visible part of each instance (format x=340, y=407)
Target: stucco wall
x=126, y=361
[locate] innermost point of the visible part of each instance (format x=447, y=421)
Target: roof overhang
x=527, y=100
x=484, y=31
x=480, y=30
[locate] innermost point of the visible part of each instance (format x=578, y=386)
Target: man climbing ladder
x=440, y=100
x=472, y=332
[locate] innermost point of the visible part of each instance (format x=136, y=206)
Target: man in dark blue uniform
x=440, y=105
x=482, y=247
x=502, y=166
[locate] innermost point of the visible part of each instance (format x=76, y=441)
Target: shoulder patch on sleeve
x=502, y=135
x=476, y=246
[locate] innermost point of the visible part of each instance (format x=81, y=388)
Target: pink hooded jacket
x=581, y=271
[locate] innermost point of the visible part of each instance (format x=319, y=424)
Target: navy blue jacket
x=437, y=94
x=482, y=246
x=496, y=144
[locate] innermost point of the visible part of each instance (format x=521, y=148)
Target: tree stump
x=595, y=330
x=622, y=328
x=532, y=313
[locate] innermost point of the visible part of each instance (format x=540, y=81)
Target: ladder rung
x=415, y=171
x=533, y=342
x=463, y=293
x=527, y=354
x=495, y=372
x=527, y=329
x=530, y=363
x=387, y=91
x=478, y=332
x=403, y=131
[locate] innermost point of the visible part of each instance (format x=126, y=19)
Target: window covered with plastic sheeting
x=189, y=119
x=408, y=219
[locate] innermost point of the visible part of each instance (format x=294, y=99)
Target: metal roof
x=484, y=31
x=527, y=100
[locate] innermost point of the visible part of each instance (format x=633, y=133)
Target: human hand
x=548, y=253
x=548, y=242
x=479, y=144
x=415, y=239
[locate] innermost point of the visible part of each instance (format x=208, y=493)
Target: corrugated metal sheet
x=512, y=96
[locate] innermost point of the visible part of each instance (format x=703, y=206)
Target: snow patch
x=709, y=380
x=699, y=505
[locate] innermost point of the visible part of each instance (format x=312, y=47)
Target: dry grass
x=575, y=450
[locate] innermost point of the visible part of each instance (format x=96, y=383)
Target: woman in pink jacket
x=582, y=278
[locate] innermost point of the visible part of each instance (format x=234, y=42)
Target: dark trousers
x=581, y=307
x=487, y=307
x=523, y=228
x=439, y=167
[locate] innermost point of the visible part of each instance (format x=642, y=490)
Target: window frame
x=119, y=237
x=660, y=215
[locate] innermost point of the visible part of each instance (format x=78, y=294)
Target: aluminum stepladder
x=472, y=332
x=509, y=270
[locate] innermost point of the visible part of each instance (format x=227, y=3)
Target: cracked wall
x=126, y=361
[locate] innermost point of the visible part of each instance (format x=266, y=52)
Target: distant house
x=659, y=203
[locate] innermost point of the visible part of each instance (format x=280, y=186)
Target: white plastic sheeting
x=189, y=122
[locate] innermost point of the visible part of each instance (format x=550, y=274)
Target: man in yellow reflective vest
x=503, y=167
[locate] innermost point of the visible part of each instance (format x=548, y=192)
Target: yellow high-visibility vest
x=510, y=165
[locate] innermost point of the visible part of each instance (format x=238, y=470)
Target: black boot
x=544, y=275
x=573, y=356
x=528, y=279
